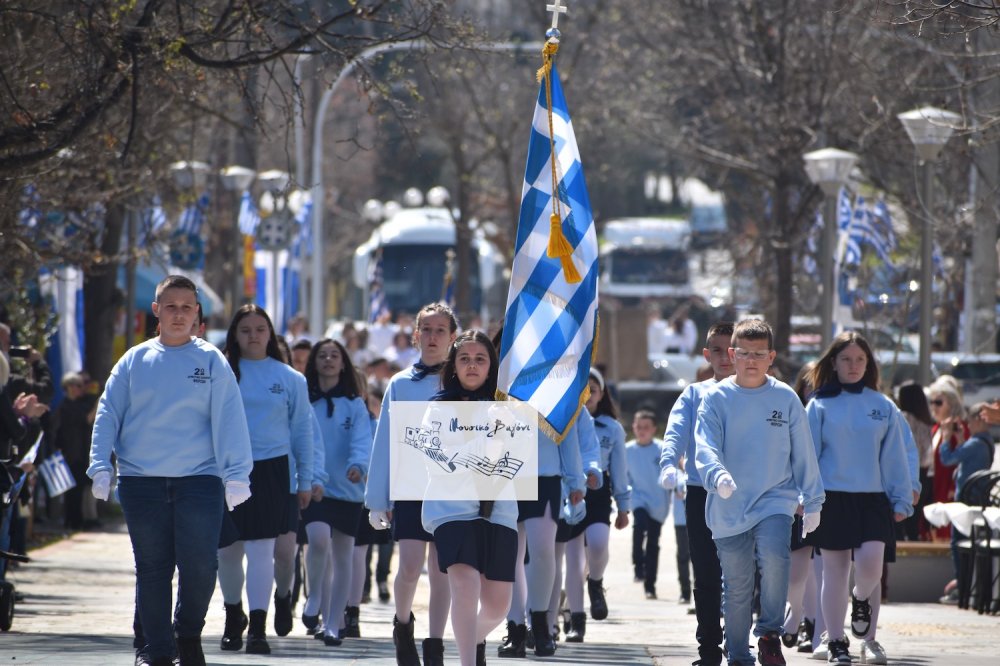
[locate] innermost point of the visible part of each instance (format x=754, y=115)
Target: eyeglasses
x=746, y=354
x=937, y=402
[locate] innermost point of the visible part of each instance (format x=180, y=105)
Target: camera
x=20, y=352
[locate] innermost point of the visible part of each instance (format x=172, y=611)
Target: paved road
x=78, y=611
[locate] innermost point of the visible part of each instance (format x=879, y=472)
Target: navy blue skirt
x=340, y=515
x=367, y=534
x=549, y=494
x=488, y=548
x=407, y=522
x=850, y=519
x=266, y=514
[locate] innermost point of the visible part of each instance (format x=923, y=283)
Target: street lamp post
x=829, y=168
x=929, y=129
x=237, y=179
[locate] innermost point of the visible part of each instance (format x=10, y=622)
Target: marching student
x=679, y=444
x=332, y=522
x=476, y=540
x=276, y=404
x=756, y=458
x=436, y=329
x=650, y=502
x=169, y=484
x=588, y=543
x=863, y=463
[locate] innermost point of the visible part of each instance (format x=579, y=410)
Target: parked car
x=978, y=374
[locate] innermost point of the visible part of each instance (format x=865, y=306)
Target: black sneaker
x=790, y=640
x=769, y=650
x=861, y=617
x=838, y=653
x=598, y=602
x=282, y=614
x=806, y=629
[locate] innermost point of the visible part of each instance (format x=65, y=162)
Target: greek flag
x=249, y=217
x=153, y=219
x=302, y=244
x=866, y=230
x=844, y=209
x=193, y=216
x=549, y=329
x=377, y=303
x=56, y=474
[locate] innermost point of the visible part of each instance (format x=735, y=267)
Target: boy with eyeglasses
x=756, y=458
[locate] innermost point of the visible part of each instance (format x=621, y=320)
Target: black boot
x=481, y=654
x=598, y=604
x=282, y=614
x=578, y=627
x=433, y=652
x=544, y=645
x=352, y=623
x=513, y=642
x=236, y=622
x=256, y=638
x=406, y=648
x=189, y=651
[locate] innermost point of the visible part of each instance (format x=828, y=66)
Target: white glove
x=237, y=492
x=101, y=485
x=379, y=520
x=810, y=521
x=726, y=486
x=668, y=477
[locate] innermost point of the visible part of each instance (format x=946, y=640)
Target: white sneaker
x=822, y=650
x=872, y=653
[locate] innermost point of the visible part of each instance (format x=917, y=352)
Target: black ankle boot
x=544, y=645
x=282, y=614
x=598, y=604
x=481, y=654
x=352, y=623
x=577, y=628
x=236, y=622
x=513, y=642
x=256, y=638
x=189, y=651
x=433, y=652
x=406, y=648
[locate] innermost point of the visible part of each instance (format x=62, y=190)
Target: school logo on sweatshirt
x=777, y=419
x=200, y=376
x=347, y=423
x=276, y=388
x=877, y=415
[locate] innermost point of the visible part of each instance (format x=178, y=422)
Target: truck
x=411, y=251
x=645, y=257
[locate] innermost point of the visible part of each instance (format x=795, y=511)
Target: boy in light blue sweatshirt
x=172, y=414
x=650, y=501
x=757, y=461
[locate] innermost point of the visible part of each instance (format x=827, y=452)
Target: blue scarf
x=834, y=388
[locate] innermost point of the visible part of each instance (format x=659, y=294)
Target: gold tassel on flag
x=559, y=247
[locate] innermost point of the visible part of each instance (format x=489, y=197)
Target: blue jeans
x=173, y=522
x=764, y=546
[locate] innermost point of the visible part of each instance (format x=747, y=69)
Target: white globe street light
x=189, y=175
x=929, y=129
x=829, y=168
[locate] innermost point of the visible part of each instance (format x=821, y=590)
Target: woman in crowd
x=276, y=403
x=436, y=329
x=950, y=431
x=917, y=414
x=476, y=540
x=588, y=546
x=332, y=523
x=863, y=464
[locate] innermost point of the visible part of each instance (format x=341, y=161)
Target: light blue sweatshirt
x=172, y=412
x=760, y=436
x=912, y=454
x=644, y=477
x=679, y=497
x=400, y=387
x=347, y=439
x=678, y=439
x=319, y=460
x=276, y=402
x=590, y=448
x=860, y=447
x=612, y=438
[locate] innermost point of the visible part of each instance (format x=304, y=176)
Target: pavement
x=78, y=601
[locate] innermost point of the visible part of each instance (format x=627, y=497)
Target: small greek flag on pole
x=56, y=474
x=551, y=317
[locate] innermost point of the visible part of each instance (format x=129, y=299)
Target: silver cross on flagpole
x=556, y=8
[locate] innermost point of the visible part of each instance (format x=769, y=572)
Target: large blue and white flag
x=377, y=303
x=277, y=285
x=249, y=216
x=551, y=316
x=844, y=209
x=865, y=230
x=193, y=216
